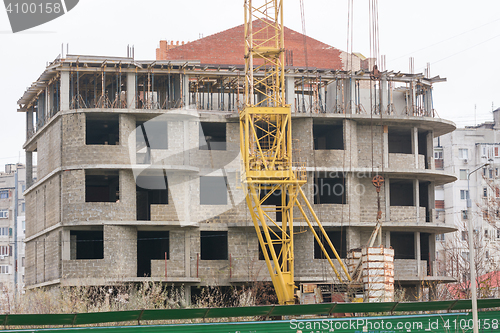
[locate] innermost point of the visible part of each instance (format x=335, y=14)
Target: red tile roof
x=227, y=48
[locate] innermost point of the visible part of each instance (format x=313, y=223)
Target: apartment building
x=12, y=226
x=139, y=167
x=474, y=151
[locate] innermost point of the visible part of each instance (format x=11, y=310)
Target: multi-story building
x=12, y=259
x=139, y=167
x=460, y=153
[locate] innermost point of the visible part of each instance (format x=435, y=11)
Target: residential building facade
x=474, y=151
x=12, y=213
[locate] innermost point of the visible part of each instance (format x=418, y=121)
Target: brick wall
x=49, y=149
x=227, y=47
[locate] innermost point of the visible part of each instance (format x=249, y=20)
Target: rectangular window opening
x=463, y=174
x=102, y=129
x=330, y=190
x=150, y=190
x=102, y=187
x=212, y=136
x=328, y=136
x=403, y=244
x=4, y=194
x=401, y=192
x=213, y=190
x=86, y=244
x=152, y=134
x=339, y=241
x=213, y=245
x=400, y=141
x=151, y=245
x=4, y=213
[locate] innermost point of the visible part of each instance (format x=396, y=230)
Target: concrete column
x=417, y=253
x=385, y=146
x=353, y=238
x=432, y=251
x=187, y=253
x=185, y=90
x=187, y=295
x=64, y=93
x=411, y=99
x=416, y=198
x=127, y=135
x=131, y=83
x=41, y=109
x=29, y=169
x=428, y=103
x=432, y=207
x=48, y=101
x=387, y=192
x=350, y=142
x=430, y=150
x=29, y=123
x=290, y=92
x=414, y=144
x=66, y=245
x=322, y=99
x=383, y=95
x=388, y=239
x=349, y=87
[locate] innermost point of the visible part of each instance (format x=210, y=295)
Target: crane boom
x=270, y=174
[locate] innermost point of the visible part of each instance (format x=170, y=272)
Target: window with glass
x=464, y=194
x=463, y=153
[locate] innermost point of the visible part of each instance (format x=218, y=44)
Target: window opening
x=86, y=244
x=213, y=190
x=213, y=245
x=212, y=136
x=328, y=136
x=151, y=245
x=102, y=129
x=102, y=187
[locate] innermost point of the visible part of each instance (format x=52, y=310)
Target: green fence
x=458, y=322
x=448, y=322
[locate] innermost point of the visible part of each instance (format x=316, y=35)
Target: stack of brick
x=378, y=274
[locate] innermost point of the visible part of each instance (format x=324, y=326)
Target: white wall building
x=12, y=228
x=460, y=153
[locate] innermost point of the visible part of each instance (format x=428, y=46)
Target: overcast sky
x=460, y=39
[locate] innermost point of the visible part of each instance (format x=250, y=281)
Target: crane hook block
x=378, y=181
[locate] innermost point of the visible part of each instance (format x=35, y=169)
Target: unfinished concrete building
x=139, y=167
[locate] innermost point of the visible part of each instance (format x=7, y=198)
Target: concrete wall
x=61, y=199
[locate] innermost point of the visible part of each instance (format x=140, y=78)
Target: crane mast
x=269, y=171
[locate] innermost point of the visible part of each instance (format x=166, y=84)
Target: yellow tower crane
x=266, y=147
